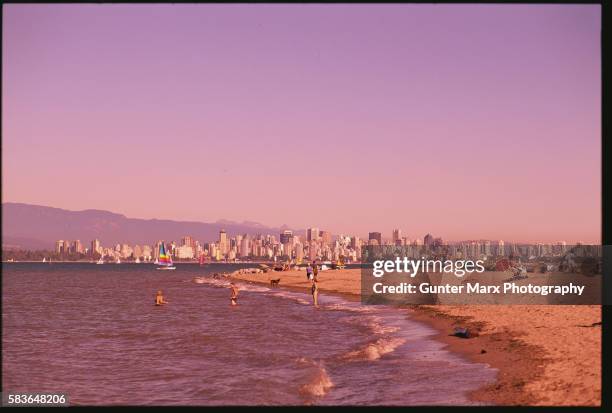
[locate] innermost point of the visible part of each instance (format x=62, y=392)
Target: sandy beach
x=545, y=354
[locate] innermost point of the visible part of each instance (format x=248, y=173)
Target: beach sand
x=546, y=354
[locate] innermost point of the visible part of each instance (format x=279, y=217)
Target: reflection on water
x=93, y=332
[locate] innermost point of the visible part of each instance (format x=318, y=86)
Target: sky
x=465, y=121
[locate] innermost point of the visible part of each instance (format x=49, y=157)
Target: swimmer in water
x=234, y=296
x=159, y=299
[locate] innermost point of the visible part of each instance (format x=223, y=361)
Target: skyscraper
x=312, y=234
x=188, y=241
x=223, y=242
x=245, y=249
x=95, y=247
x=428, y=240
x=500, y=248
x=376, y=236
x=397, y=237
x=286, y=236
x=313, y=251
x=326, y=237
x=299, y=252
x=77, y=247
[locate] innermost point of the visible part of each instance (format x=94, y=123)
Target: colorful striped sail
x=164, y=257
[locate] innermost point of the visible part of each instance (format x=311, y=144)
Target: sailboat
x=137, y=260
x=164, y=260
x=118, y=261
x=101, y=260
x=202, y=260
x=44, y=259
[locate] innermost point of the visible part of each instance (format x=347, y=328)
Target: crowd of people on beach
x=312, y=273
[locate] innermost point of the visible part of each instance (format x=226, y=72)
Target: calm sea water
x=92, y=331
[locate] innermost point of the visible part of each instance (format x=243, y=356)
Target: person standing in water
x=315, y=291
x=234, y=296
x=159, y=299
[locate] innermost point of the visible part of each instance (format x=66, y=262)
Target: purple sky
x=467, y=121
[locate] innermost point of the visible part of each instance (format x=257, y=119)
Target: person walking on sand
x=234, y=296
x=309, y=272
x=159, y=299
x=315, y=291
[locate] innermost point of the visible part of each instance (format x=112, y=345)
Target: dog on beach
x=274, y=283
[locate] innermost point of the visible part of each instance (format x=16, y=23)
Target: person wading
x=315, y=291
x=234, y=296
x=159, y=299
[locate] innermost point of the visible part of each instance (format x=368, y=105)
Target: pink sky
x=466, y=121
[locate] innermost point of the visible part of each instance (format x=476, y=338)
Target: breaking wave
x=375, y=350
x=319, y=382
x=224, y=282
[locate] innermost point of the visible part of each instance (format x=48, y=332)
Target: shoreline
x=530, y=355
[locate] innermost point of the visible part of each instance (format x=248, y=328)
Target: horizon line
x=286, y=227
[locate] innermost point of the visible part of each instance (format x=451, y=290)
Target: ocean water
x=93, y=332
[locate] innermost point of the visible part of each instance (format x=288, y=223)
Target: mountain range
x=38, y=227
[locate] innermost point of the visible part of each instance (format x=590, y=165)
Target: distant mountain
x=38, y=227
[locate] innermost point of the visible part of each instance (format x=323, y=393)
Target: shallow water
x=92, y=331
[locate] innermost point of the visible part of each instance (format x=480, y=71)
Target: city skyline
x=473, y=121
x=314, y=246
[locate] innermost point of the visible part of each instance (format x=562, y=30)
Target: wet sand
x=546, y=355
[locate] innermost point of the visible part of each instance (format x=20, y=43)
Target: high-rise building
x=326, y=237
x=238, y=243
x=245, y=247
x=500, y=248
x=96, y=248
x=223, y=242
x=231, y=255
x=77, y=247
x=313, y=250
x=487, y=248
x=187, y=241
x=184, y=252
x=375, y=236
x=397, y=237
x=299, y=252
x=59, y=246
x=428, y=240
x=257, y=248
x=287, y=249
x=286, y=236
x=312, y=234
